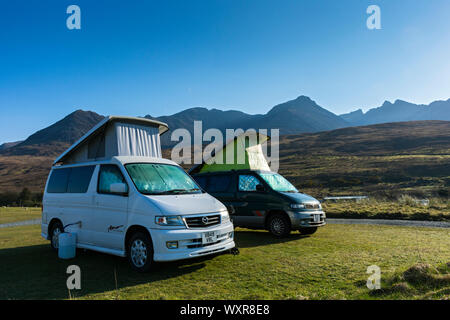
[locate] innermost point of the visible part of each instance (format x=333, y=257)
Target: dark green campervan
x=263, y=200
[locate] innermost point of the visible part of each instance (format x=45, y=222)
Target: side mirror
x=119, y=188
x=260, y=188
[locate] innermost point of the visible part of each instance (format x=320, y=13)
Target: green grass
x=404, y=208
x=8, y=215
x=331, y=264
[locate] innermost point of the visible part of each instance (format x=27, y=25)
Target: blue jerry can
x=67, y=245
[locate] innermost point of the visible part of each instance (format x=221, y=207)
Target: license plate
x=317, y=218
x=209, y=237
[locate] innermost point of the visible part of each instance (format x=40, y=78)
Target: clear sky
x=160, y=57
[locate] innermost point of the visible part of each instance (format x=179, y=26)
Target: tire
x=56, y=229
x=308, y=230
x=140, y=252
x=279, y=225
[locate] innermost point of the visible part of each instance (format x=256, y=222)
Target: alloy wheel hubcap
x=277, y=226
x=55, y=236
x=138, y=253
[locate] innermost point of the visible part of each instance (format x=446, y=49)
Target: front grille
x=312, y=206
x=203, y=221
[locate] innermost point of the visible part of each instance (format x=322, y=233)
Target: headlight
x=225, y=217
x=169, y=221
x=297, y=206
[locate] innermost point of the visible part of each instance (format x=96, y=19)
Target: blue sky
x=160, y=57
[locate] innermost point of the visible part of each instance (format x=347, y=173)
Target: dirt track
x=404, y=223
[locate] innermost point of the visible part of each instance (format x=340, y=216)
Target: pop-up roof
x=252, y=158
x=117, y=136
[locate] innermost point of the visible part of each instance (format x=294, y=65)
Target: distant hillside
x=295, y=116
x=400, y=111
x=397, y=156
x=7, y=145
x=422, y=137
x=381, y=160
x=56, y=138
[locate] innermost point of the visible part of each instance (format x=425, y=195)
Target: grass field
x=8, y=215
x=404, y=208
x=331, y=264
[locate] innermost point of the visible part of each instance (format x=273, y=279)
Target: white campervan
x=116, y=192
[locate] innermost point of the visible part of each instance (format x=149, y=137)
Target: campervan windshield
x=159, y=179
x=278, y=182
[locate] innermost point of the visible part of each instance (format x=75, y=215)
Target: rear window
x=58, y=181
x=79, y=179
x=70, y=180
x=219, y=183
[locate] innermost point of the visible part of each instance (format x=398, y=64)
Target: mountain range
x=296, y=116
x=55, y=138
x=301, y=115
x=400, y=111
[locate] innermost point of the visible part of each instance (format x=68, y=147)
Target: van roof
x=121, y=160
x=238, y=171
x=100, y=133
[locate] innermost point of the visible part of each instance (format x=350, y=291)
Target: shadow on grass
x=35, y=272
x=253, y=238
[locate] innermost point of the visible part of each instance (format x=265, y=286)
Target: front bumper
x=305, y=219
x=190, y=242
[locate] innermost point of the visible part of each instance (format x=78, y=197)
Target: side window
x=201, y=182
x=219, y=183
x=58, y=181
x=109, y=175
x=79, y=179
x=248, y=183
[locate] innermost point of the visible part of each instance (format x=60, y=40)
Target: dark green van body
x=252, y=208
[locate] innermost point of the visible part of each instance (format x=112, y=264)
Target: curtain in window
x=137, y=140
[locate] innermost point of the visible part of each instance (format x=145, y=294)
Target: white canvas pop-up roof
x=117, y=136
x=228, y=157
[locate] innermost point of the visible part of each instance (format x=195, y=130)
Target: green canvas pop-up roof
x=243, y=152
x=116, y=136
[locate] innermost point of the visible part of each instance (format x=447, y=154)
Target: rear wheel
x=140, y=252
x=308, y=230
x=279, y=225
x=55, y=231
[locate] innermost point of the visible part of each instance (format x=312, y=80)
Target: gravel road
x=404, y=223
x=20, y=223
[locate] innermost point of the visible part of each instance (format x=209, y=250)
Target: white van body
x=115, y=191
x=108, y=219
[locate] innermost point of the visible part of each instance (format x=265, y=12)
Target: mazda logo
x=205, y=220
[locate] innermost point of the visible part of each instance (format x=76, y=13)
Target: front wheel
x=279, y=225
x=308, y=230
x=56, y=229
x=140, y=252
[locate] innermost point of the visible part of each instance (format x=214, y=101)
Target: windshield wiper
x=179, y=191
